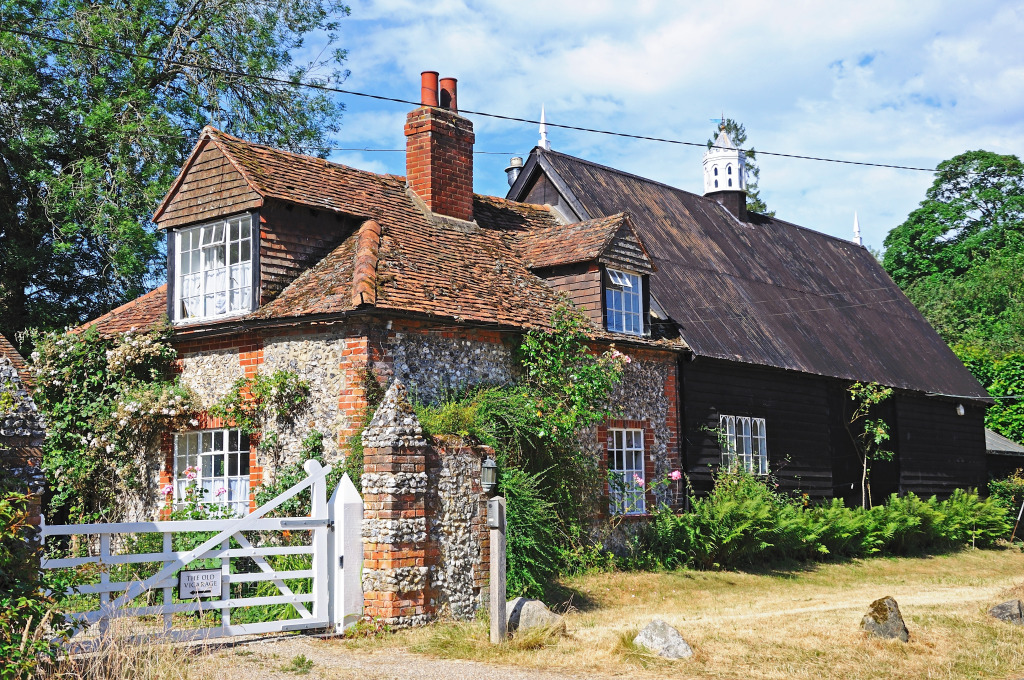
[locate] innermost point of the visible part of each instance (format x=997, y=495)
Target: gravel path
x=264, y=660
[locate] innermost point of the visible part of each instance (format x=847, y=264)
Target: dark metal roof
x=998, y=444
x=766, y=291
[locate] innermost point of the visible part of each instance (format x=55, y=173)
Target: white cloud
x=906, y=83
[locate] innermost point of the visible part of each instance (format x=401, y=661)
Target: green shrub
x=533, y=546
x=28, y=618
x=744, y=523
x=1010, y=490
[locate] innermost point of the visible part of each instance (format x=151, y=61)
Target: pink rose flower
x=638, y=479
x=221, y=491
x=675, y=475
x=167, y=490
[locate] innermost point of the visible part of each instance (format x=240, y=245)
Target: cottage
x=744, y=330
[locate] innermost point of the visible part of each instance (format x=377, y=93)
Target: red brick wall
x=439, y=160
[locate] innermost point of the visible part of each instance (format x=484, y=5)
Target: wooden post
x=345, y=556
x=321, y=542
x=496, y=521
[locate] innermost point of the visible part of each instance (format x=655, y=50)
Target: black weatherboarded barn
x=779, y=320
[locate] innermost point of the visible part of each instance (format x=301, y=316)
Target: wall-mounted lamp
x=489, y=476
x=960, y=409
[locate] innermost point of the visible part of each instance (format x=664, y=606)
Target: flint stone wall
x=315, y=358
x=210, y=374
x=456, y=514
x=22, y=431
x=640, y=395
x=432, y=367
x=318, y=360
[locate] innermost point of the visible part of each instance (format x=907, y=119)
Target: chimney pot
x=448, y=94
x=428, y=88
x=439, y=151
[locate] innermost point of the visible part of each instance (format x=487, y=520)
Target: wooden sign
x=198, y=583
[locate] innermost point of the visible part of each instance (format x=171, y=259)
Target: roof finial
x=721, y=126
x=543, y=143
x=856, y=230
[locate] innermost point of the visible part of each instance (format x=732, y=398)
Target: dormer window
x=214, y=269
x=624, y=302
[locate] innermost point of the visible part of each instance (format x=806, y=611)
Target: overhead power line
x=354, y=93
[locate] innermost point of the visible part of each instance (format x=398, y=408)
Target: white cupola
x=724, y=166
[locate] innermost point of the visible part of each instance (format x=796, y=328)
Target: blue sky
x=905, y=83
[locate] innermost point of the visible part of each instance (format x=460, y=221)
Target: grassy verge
x=793, y=624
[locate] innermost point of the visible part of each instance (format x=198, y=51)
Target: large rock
x=663, y=640
x=523, y=613
x=885, y=621
x=1011, y=612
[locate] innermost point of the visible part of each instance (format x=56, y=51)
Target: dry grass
x=123, y=654
x=800, y=624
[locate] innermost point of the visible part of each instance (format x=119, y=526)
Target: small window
x=716, y=183
x=744, y=445
x=626, y=471
x=728, y=169
x=214, y=269
x=219, y=462
x=624, y=302
x=716, y=171
x=730, y=181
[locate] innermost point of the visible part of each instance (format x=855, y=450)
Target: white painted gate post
x=345, y=556
x=321, y=542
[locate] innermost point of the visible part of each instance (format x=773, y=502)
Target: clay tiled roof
x=569, y=243
x=9, y=352
x=142, y=313
x=411, y=261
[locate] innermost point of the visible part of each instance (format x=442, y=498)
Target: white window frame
x=624, y=302
x=221, y=460
x=625, y=459
x=744, y=443
x=214, y=269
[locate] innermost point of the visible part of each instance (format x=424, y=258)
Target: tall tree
x=960, y=255
x=960, y=258
x=94, y=129
x=738, y=134
x=973, y=210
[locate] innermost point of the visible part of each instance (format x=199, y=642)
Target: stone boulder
x=885, y=621
x=523, y=613
x=1011, y=612
x=663, y=640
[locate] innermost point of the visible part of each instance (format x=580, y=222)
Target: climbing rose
x=167, y=490
x=638, y=479
x=675, y=475
x=221, y=491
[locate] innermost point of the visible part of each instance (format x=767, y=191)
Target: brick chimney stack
x=439, y=150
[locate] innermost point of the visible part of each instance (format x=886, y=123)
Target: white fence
x=334, y=600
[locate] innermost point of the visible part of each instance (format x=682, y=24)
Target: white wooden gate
x=335, y=599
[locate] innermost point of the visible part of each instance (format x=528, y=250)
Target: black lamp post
x=489, y=476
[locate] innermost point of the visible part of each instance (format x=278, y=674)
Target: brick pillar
x=397, y=551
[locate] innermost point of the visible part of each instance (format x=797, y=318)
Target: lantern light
x=489, y=476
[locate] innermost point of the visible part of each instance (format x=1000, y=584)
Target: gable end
x=210, y=187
